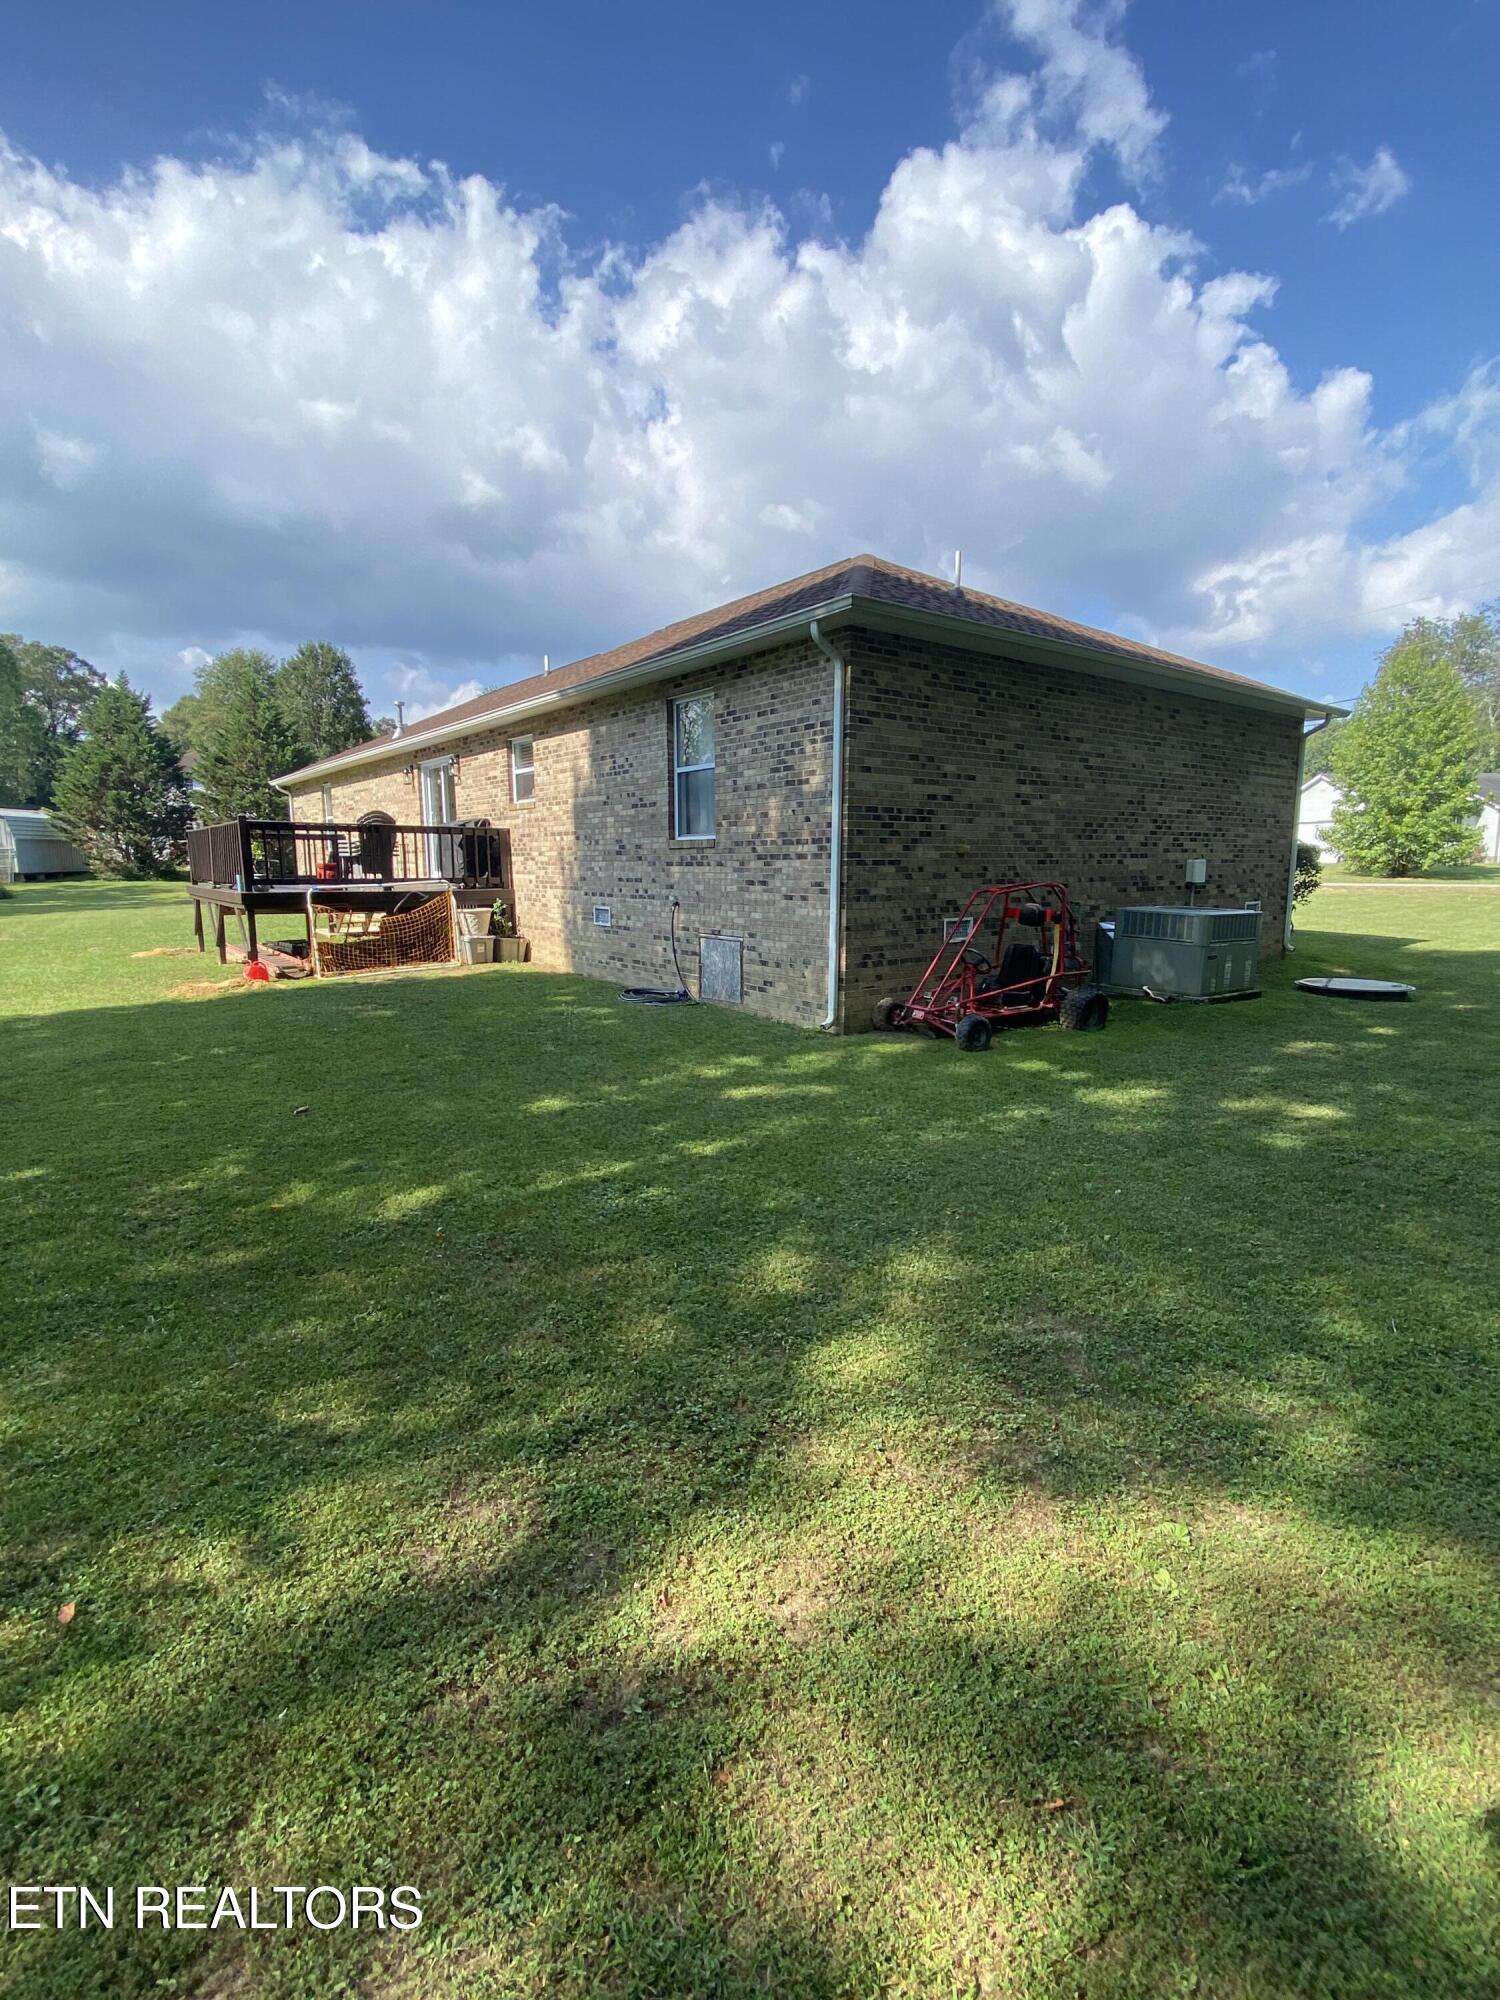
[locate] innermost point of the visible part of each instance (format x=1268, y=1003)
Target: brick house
x=821, y=772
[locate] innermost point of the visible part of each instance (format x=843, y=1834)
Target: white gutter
x=835, y=819
x=1291, y=872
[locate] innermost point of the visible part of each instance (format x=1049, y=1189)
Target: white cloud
x=1365, y=191
x=1259, y=70
x=192, y=657
x=775, y=150
x=331, y=393
x=1087, y=88
x=64, y=462
x=425, y=693
x=1247, y=190
x=797, y=90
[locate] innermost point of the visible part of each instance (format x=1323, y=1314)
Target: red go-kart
x=1011, y=960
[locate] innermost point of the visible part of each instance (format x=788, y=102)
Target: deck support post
x=219, y=934
x=198, y=922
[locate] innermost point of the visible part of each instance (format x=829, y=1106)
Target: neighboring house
x=1320, y=798
x=1317, y=802
x=819, y=774
x=1489, y=815
x=32, y=846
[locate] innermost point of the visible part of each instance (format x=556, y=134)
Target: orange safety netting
x=345, y=940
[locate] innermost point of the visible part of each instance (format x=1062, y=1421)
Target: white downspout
x=1291, y=869
x=835, y=819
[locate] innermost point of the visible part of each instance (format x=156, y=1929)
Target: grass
x=724, y=1511
x=1486, y=872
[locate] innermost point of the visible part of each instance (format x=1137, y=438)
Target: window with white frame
x=522, y=769
x=693, y=767
x=327, y=802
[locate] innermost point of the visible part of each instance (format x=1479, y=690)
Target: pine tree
x=120, y=794
x=1407, y=762
x=321, y=700
x=242, y=740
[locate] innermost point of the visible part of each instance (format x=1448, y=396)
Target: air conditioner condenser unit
x=1181, y=952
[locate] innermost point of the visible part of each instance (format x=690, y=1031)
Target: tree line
x=92, y=750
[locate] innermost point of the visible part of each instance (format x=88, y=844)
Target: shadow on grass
x=728, y=1512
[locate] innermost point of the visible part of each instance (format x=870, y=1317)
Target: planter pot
x=473, y=923
x=510, y=951
x=476, y=950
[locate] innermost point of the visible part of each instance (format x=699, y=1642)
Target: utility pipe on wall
x=1291, y=871
x=836, y=819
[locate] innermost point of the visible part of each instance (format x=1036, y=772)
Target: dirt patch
x=797, y=1597
x=207, y=989
x=169, y=951
x=478, y=1527
x=672, y=1612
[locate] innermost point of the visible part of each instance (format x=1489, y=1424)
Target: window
x=328, y=802
x=693, y=767
x=522, y=769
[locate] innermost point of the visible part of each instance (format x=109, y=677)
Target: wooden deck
x=252, y=870
x=250, y=906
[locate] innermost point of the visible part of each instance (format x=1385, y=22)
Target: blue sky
x=463, y=333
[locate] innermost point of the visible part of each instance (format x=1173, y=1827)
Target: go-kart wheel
x=884, y=1013
x=1084, y=1009
x=973, y=1033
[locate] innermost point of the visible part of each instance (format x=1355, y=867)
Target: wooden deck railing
x=274, y=853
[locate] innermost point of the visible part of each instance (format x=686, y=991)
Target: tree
x=120, y=794
x=1407, y=762
x=22, y=736
x=321, y=700
x=179, y=723
x=1475, y=642
x=242, y=740
x=59, y=688
x=1317, y=759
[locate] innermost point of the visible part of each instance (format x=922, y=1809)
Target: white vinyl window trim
x=522, y=769
x=688, y=797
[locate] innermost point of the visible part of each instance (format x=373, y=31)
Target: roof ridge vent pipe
x=958, y=569
x=546, y=663
x=400, y=729
x=835, y=818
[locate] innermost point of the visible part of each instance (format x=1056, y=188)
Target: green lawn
x=1486, y=872
x=724, y=1511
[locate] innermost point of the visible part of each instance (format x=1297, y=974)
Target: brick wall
x=960, y=769
x=597, y=830
x=964, y=769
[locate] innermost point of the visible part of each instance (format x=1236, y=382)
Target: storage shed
x=32, y=846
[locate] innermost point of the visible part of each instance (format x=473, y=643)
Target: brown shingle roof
x=864, y=576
